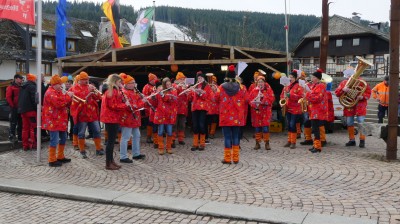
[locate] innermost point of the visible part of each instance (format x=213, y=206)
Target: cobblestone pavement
x=343, y=181
x=37, y=209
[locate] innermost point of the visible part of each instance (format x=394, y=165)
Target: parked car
x=4, y=110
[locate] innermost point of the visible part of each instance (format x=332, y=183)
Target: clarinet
x=129, y=104
x=144, y=97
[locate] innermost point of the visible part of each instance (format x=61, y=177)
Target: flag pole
x=39, y=78
x=154, y=22
x=287, y=42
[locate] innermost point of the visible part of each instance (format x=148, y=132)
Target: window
x=339, y=42
x=46, y=69
x=316, y=62
x=71, y=45
x=20, y=67
x=340, y=61
x=356, y=41
x=49, y=43
x=316, y=44
x=34, y=42
x=379, y=59
x=306, y=61
x=86, y=33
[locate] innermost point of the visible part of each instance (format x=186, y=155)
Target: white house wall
x=8, y=69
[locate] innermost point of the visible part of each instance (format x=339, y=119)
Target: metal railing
x=335, y=69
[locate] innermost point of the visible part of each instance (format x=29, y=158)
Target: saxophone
x=357, y=87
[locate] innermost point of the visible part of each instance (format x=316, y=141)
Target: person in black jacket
x=27, y=106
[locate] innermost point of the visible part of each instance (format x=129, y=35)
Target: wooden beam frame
x=261, y=63
x=180, y=62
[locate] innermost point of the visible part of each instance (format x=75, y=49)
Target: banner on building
x=22, y=11
x=142, y=27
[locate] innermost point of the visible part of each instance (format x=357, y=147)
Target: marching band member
x=359, y=110
x=200, y=97
x=245, y=105
x=86, y=113
x=148, y=89
x=182, y=105
x=316, y=107
x=130, y=121
x=212, y=113
x=55, y=119
x=292, y=94
x=261, y=99
x=165, y=115
x=231, y=99
x=331, y=110
x=110, y=115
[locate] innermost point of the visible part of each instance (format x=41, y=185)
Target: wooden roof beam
x=261, y=63
x=180, y=62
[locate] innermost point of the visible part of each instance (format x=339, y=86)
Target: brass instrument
x=283, y=104
x=303, y=104
x=77, y=99
x=97, y=91
x=357, y=87
x=257, y=99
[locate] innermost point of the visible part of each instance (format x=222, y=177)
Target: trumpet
x=190, y=88
x=77, y=99
x=97, y=91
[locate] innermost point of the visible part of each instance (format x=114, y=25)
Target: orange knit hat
x=126, y=78
x=55, y=79
x=180, y=75
x=31, y=77
x=64, y=79
x=83, y=75
x=152, y=77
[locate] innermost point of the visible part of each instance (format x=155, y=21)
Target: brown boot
x=267, y=147
x=257, y=146
x=115, y=164
x=160, y=139
x=169, y=144
x=110, y=166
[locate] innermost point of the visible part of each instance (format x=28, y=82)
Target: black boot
x=351, y=143
x=307, y=142
x=362, y=144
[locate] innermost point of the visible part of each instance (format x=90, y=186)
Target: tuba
x=357, y=87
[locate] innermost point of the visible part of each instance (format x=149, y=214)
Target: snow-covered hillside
x=166, y=31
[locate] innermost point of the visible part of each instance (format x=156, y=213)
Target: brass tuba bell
x=357, y=87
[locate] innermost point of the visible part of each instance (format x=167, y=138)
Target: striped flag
x=111, y=10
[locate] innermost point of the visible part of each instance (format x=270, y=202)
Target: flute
x=144, y=97
x=129, y=103
x=191, y=88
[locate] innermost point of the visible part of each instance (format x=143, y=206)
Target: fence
x=335, y=67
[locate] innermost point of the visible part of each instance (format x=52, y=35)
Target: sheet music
x=302, y=83
x=189, y=81
x=285, y=81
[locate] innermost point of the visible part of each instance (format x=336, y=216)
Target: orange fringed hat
x=31, y=77
x=55, y=79
x=126, y=78
x=180, y=75
x=83, y=76
x=152, y=77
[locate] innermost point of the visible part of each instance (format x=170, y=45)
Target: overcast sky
x=373, y=10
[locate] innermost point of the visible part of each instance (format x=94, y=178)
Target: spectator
x=12, y=94
x=27, y=106
x=381, y=93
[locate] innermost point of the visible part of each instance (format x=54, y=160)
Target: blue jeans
x=168, y=128
x=57, y=137
x=264, y=129
x=350, y=120
x=95, y=126
x=126, y=134
x=231, y=136
x=292, y=119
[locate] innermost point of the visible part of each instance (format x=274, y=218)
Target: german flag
x=111, y=10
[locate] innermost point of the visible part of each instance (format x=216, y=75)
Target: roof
x=157, y=56
x=340, y=26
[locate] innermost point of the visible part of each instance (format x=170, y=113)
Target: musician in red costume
x=231, y=99
x=316, y=107
x=86, y=113
x=183, y=102
x=261, y=99
x=292, y=94
x=112, y=107
x=200, y=97
x=165, y=115
x=359, y=110
x=148, y=89
x=55, y=119
x=212, y=113
x=130, y=121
